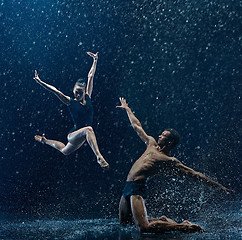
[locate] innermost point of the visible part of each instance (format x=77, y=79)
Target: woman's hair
x=80, y=82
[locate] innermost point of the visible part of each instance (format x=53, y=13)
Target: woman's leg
x=75, y=141
x=87, y=132
x=65, y=149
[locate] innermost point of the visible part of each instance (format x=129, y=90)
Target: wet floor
x=224, y=223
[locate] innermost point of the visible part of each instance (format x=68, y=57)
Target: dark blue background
x=178, y=64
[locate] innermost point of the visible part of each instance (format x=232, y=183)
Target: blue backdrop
x=178, y=64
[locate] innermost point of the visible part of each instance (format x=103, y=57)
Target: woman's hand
x=124, y=104
x=36, y=77
x=93, y=55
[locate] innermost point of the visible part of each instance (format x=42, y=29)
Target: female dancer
x=81, y=111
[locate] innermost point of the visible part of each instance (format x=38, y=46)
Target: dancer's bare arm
x=65, y=99
x=91, y=73
x=192, y=173
x=136, y=123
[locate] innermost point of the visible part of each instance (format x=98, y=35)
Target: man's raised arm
x=192, y=173
x=135, y=122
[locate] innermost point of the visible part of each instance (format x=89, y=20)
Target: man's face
x=163, y=138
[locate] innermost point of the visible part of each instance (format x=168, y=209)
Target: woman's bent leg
x=88, y=133
x=65, y=149
x=75, y=141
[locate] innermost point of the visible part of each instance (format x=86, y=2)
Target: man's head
x=169, y=138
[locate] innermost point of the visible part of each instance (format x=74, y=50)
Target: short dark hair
x=80, y=82
x=175, y=136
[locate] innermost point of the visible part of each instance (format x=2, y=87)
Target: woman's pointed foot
x=40, y=139
x=102, y=162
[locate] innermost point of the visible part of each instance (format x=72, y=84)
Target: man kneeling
x=154, y=160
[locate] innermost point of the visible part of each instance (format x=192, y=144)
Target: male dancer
x=154, y=160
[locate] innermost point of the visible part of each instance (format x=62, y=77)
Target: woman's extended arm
x=65, y=99
x=91, y=73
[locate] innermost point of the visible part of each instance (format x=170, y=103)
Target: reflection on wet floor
x=216, y=224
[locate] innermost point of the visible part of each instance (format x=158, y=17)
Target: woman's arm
x=65, y=99
x=91, y=73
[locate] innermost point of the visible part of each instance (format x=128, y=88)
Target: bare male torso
x=152, y=162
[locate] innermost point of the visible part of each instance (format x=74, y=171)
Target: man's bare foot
x=190, y=227
x=166, y=219
x=101, y=161
x=40, y=139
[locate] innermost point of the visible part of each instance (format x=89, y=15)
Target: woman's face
x=79, y=92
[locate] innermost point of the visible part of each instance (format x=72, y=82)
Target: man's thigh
x=125, y=214
x=139, y=211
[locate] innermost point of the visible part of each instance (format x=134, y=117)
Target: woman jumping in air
x=81, y=111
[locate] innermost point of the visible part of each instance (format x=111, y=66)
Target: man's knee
x=122, y=222
x=126, y=221
x=142, y=228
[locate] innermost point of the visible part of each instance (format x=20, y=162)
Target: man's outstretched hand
x=123, y=102
x=228, y=191
x=93, y=55
x=36, y=76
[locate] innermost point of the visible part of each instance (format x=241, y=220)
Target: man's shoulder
x=152, y=141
